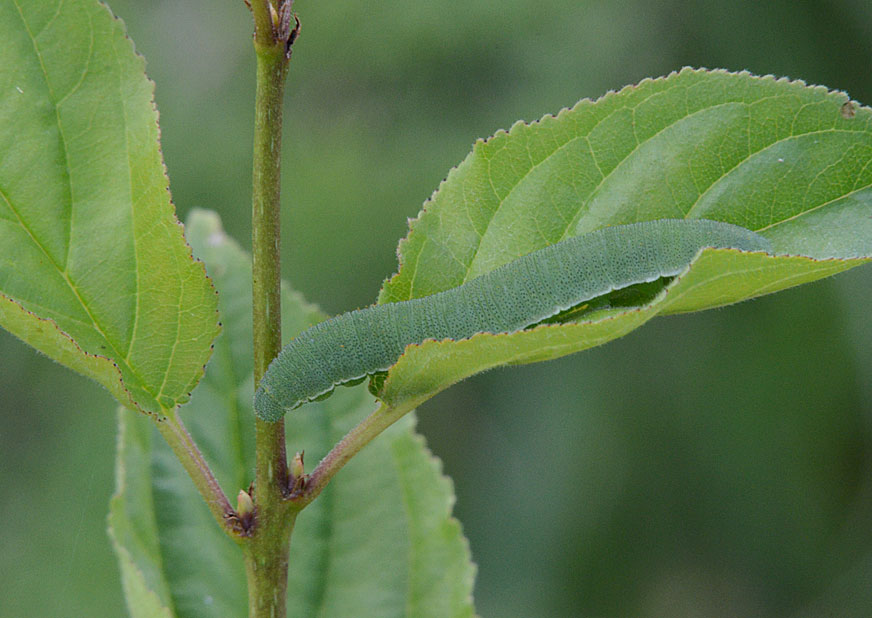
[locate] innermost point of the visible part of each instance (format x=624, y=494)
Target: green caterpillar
x=520, y=294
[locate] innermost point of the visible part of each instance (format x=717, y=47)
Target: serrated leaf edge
x=448, y=485
x=520, y=125
x=195, y=379
x=131, y=403
x=197, y=375
x=117, y=497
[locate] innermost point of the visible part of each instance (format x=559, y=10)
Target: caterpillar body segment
x=522, y=293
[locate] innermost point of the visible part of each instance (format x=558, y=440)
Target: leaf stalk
x=183, y=446
x=365, y=432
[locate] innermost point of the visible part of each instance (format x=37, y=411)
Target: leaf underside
x=788, y=161
x=95, y=272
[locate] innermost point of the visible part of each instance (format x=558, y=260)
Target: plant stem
x=266, y=566
x=174, y=432
x=266, y=267
x=264, y=32
x=266, y=553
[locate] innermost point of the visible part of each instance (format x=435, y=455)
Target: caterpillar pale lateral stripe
x=519, y=294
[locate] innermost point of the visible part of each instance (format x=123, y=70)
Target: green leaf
x=391, y=501
x=718, y=277
x=788, y=161
x=95, y=272
x=132, y=524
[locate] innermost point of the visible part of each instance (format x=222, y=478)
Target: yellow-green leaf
x=789, y=161
x=94, y=270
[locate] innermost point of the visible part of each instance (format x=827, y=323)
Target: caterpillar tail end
x=266, y=408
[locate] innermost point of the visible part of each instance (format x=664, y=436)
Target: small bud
x=244, y=505
x=297, y=469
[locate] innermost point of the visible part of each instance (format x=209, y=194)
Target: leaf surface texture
x=786, y=160
x=94, y=271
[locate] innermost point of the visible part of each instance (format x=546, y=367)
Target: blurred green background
x=716, y=464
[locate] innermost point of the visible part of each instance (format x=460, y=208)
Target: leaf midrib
x=181, y=286
x=65, y=167
x=63, y=274
x=118, y=357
